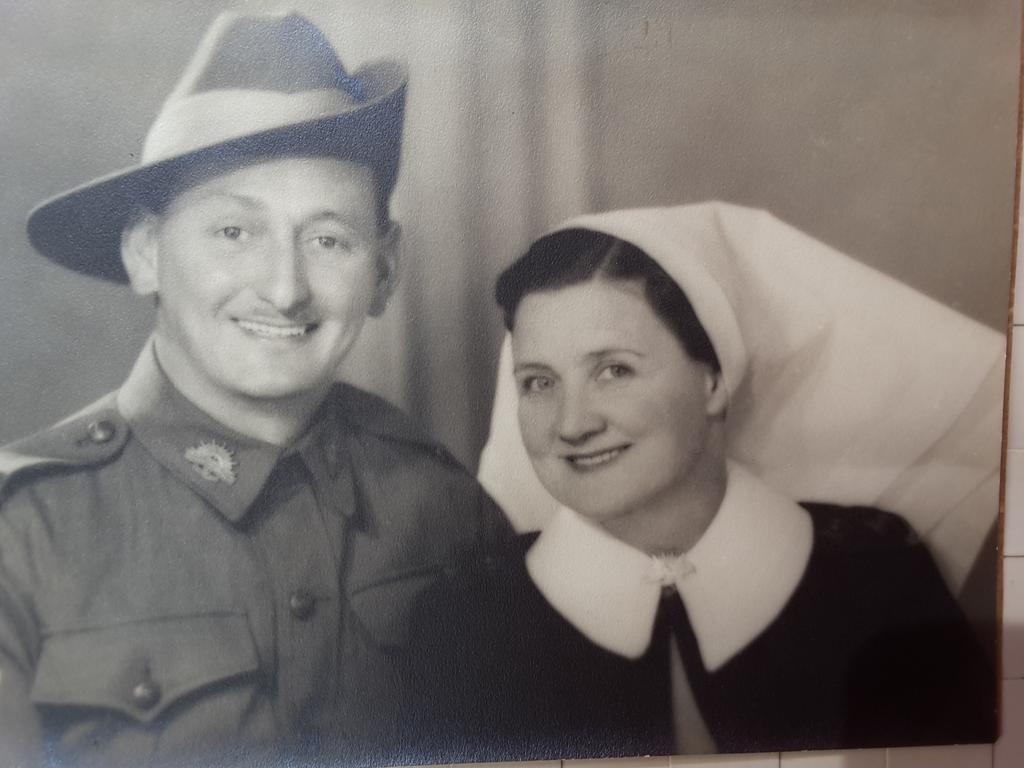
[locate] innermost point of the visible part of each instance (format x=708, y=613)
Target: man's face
x=264, y=276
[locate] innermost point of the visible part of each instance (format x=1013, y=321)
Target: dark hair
x=575, y=256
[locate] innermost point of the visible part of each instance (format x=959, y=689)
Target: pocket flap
x=386, y=608
x=141, y=668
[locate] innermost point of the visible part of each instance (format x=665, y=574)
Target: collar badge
x=213, y=461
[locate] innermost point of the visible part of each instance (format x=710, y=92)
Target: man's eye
x=332, y=243
x=231, y=232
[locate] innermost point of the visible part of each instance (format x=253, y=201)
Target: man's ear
x=387, y=267
x=716, y=393
x=140, y=253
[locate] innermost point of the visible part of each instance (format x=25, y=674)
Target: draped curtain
x=886, y=128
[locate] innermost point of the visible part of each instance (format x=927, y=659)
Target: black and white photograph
x=412, y=383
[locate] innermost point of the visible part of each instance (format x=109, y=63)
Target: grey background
x=886, y=128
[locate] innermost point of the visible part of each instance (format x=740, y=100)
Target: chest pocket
x=142, y=668
x=386, y=609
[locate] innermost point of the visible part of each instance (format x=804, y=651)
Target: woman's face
x=615, y=415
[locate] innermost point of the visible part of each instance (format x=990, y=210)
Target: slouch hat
x=259, y=86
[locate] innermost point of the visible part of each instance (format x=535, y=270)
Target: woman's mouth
x=595, y=459
x=276, y=330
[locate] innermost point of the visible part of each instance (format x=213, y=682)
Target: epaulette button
x=146, y=693
x=101, y=431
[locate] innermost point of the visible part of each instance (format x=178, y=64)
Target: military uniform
x=172, y=589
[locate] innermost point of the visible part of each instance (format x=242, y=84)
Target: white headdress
x=845, y=385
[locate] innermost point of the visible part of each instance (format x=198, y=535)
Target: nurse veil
x=812, y=625
x=844, y=384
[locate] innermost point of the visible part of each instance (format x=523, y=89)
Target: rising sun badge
x=213, y=461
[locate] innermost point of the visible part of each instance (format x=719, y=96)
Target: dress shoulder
x=857, y=528
x=91, y=437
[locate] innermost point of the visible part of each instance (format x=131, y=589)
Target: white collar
x=734, y=581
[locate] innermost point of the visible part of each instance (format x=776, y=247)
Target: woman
x=677, y=603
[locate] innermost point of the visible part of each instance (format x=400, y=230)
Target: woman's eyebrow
x=608, y=351
x=529, y=366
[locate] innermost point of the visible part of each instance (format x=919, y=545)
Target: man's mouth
x=595, y=459
x=276, y=330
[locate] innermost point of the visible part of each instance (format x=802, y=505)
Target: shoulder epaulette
x=92, y=436
x=376, y=415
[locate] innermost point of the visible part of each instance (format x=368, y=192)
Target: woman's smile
x=586, y=462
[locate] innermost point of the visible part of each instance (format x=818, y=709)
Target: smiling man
x=219, y=560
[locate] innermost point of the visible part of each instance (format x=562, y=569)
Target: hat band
x=202, y=120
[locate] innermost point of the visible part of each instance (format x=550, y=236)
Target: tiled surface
x=1015, y=434
x=861, y=758
x=1013, y=537
x=1009, y=750
x=622, y=762
x=727, y=761
x=1013, y=618
x=974, y=756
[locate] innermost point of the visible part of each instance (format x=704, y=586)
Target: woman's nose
x=579, y=420
x=287, y=287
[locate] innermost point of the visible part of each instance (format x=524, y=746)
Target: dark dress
x=871, y=650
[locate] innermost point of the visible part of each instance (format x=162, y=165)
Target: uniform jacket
x=869, y=650
x=172, y=590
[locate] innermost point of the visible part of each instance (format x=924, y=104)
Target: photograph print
x=427, y=383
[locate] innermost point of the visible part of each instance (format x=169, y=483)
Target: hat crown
x=258, y=86
x=252, y=73
x=283, y=53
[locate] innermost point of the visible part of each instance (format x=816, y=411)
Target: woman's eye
x=535, y=384
x=614, y=371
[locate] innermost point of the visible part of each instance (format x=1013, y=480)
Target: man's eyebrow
x=333, y=215
x=246, y=200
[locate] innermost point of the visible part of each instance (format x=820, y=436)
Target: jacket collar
x=224, y=467
x=734, y=581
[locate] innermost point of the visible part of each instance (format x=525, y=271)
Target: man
x=221, y=558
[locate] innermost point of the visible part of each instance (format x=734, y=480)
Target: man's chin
x=278, y=390
x=257, y=383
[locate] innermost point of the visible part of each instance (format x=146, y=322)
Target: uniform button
x=146, y=694
x=302, y=604
x=101, y=431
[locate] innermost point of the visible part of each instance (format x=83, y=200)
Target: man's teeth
x=596, y=459
x=274, y=331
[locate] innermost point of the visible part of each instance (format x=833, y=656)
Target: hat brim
x=81, y=229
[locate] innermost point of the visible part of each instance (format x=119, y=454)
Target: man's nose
x=579, y=419
x=287, y=284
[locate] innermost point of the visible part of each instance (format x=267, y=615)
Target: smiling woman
x=677, y=602
x=621, y=410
